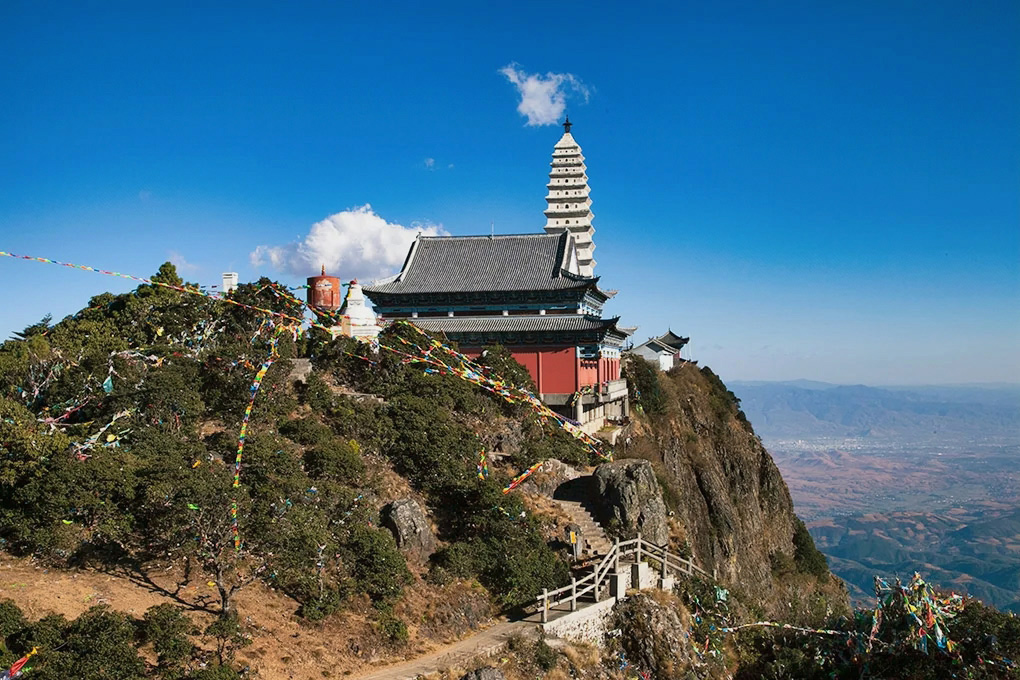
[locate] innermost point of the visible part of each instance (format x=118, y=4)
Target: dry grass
x=283, y=645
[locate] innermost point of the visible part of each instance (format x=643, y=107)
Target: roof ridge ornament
x=567, y=124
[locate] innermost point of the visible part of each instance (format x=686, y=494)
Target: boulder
x=551, y=475
x=410, y=526
x=629, y=493
x=487, y=673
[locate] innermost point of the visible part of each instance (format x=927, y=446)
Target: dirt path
x=457, y=655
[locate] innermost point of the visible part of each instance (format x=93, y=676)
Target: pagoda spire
x=569, y=206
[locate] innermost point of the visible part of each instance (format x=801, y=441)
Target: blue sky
x=808, y=190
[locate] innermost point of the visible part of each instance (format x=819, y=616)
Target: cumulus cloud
x=353, y=244
x=544, y=98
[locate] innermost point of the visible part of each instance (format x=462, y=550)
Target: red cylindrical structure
x=324, y=292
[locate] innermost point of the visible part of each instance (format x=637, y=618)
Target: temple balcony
x=613, y=390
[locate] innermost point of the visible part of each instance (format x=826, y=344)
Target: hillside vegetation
x=161, y=437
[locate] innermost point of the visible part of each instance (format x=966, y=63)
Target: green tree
x=643, y=382
x=31, y=505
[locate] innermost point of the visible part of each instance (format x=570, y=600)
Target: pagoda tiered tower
x=569, y=206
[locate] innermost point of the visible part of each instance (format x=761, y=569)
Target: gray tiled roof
x=516, y=262
x=513, y=324
x=657, y=346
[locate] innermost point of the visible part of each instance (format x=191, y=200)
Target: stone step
x=593, y=537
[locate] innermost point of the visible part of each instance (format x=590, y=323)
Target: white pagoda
x=359, y=321
x=569, y=206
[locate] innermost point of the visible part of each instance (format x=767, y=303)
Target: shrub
x=98, y=645
x=393, y=628
x=723, y=402
x=337, y=460
x=322, y=606
x=306, y=431
x=229, y=636
x=317, y=394
x=216, y=672
x=167, y=628
x=502, y=364
x=12, y=620
x=544, y=655
x=806, y=556
x=544, y=440
x=377, y=568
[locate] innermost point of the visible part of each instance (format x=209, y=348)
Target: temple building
x=665, y=350
x=532, y=293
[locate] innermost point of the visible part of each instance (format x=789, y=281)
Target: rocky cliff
x=728, y=501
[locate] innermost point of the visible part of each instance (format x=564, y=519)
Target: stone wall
x=585, y=625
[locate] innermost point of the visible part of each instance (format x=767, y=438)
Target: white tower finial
x=569, y=207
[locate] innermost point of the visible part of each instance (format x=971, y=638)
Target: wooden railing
x=594, y=582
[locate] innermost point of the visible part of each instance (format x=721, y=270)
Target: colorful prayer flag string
x=254, y=390
x=483, y=466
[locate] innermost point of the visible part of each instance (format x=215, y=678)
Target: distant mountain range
x=979, y=557
x=804, y=409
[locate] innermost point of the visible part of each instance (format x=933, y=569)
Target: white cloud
x=177, y=260
x=544, y=98
x=430, y=163
x=353, y=244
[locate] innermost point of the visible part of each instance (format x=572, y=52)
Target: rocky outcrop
x=488, y=673
x=550, y=476
x=629, y=493
x=653, y=636
x=406, y=519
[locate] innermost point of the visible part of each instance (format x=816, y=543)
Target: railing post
x=665, y=557
x=616, y=558
x=638, y=557
x=545, y=605
x=573, y=594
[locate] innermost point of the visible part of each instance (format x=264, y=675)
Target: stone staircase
x=594, y=537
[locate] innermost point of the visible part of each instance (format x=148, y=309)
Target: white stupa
x=569, y=206
x=359, y=317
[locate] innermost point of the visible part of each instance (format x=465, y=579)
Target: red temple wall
x=558, y=370
x=558, y=374
x=554, y=369
x=588, y=372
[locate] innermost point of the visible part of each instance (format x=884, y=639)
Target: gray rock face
x=488, y=673
x=629, y=493
x=406, y=519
